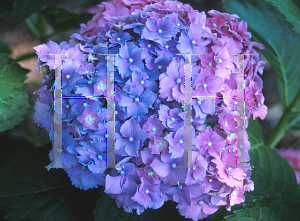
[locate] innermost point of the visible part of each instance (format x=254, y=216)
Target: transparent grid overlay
x=240, y=98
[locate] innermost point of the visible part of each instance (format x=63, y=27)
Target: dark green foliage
x=13, y=99
x=29, y=192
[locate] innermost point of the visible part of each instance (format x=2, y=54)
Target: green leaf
x=269, y=209
x=254, y=214
x=291, y=10
x=62, y=20
x=275, y=186
x=255, y=134
x=271, y=174
x=29, y=192
x=14, y=102
x=294, y=121
x=24, y=8
x=106, y=210
x=4, y=47
x=269, y=27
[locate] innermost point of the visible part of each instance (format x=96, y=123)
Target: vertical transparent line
x=240, y=110
x=110, y=113
x=57, y=127
x=187, y=110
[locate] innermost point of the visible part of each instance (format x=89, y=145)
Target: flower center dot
x=146, y=191
x=89, y=82
x=199, y=102
x=142, y=82
x=178, y=80
x=153, y=129
x=201, y=203
x=234, y=193
x=67, y=106
x=130, y=138
x=150, y=173
x=180, y=141
x=68, y=76
x=203, y=27
x=173, y=119
x=159, y=67
x=167, y=46
x=90, y=119
x=84, y=104
x=160, y=143
x=116, y=112
x=209, y=144
x=220, y=60
x=194, y=167
x=229, y=168
x=130, y=60
x=193, y=42
x=226, y=124
x=178, y=24
x=122, y=172
x=173, y=165
x=204, y=85
x=191, y=120
x=100, y=157
x=118, y=39
x=179, y=186
x=159, y=31
x=149, y=45
x=210, y=180
x=235, y=103
x=209, y=64
x=214, y=25
x=106, y=135
x=137, y=99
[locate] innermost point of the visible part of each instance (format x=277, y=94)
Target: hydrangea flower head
x=147, y=40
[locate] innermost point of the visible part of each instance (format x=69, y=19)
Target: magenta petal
x=199, y=173
x=113, y=185
x=238, y=173
x=142, y=198
x=209, y=209
x=147, y=157
x=160, y=168
x=218, y=201
x=214, y=84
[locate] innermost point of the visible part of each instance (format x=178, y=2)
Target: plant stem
x=26, y=56
x=280, y=128
x=33, y=28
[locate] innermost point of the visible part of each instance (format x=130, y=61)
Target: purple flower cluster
x=149, y=101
